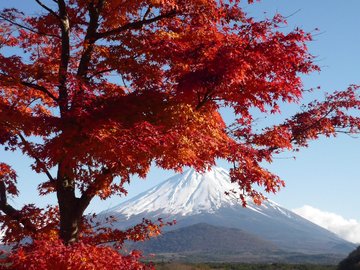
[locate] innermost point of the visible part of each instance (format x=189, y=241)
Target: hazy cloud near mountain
x=349, y=229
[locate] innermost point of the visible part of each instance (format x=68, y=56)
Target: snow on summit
x=187, y=193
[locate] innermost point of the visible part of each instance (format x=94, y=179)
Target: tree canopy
x=98, y=90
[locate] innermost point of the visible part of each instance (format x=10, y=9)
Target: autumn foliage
x=95, y=91
x=54, y=255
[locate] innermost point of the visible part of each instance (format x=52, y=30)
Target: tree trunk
x=69, y=222
x=70, y=214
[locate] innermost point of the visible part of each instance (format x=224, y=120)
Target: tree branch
x=90, y=193
x=27, y=28
x=65, y=55
x=12, y=212
x=33, y=86
x=101, y=72
x=32, y=154
x=207, y=97
x=41, y=89
x=147, y=12
x=47, y=8
x=90, y=37
x=135, y=25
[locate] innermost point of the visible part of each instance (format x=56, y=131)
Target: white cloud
x=349, y=229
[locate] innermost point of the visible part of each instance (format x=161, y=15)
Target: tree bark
x=70, y=216
x=71, y=208
x=69, y=225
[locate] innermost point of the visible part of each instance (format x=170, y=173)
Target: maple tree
x=176, y=64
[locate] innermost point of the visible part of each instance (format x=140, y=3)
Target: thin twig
x=135, y=25
x=27, y=28
x=47, y=8
x=101, y=72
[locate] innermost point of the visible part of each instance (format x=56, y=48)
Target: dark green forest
x=231, y=266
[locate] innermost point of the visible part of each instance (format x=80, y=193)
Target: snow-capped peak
x=187, y=193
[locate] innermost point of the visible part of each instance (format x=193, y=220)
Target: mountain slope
x=203, y=237
x=193, y=198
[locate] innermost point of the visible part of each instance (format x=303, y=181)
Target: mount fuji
x=206, y=213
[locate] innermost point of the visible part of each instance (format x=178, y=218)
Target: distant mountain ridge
x=192, y=198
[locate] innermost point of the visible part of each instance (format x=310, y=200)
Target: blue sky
x=326, y=175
